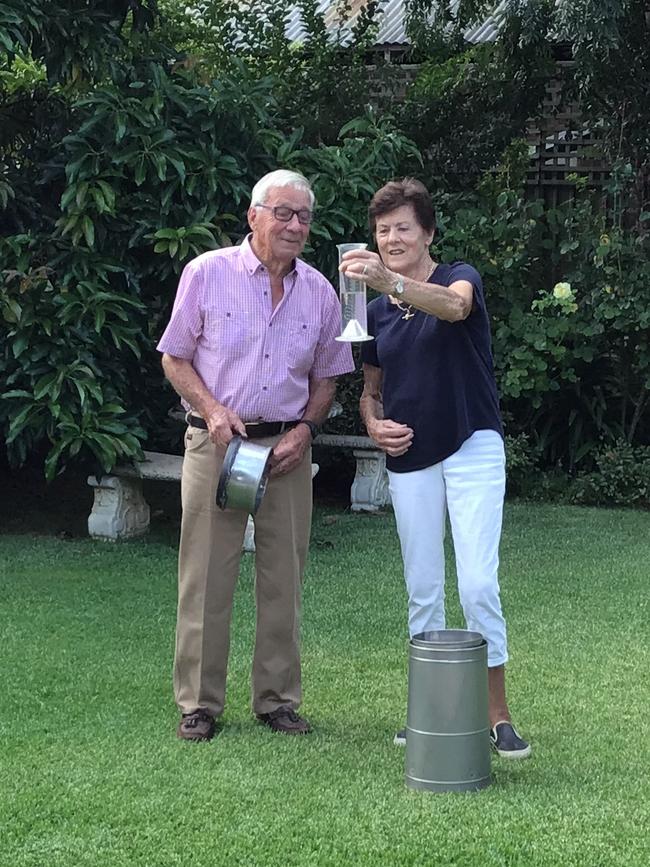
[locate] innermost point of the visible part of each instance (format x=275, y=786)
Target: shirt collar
x=253, y=264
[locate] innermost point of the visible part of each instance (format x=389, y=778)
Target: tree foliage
x=77, y=40
x=157, y=165
x=609, y=41
x=469, y=102
x=132, y=133
x=318, y=84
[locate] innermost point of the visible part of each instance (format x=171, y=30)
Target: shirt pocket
x=303, y=337
x=228, y=332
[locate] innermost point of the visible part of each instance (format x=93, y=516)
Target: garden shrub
x=158, y=169
x=568, y=291
x=522, y=460
x=621, y=478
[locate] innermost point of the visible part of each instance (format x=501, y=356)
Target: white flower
x=562, y=290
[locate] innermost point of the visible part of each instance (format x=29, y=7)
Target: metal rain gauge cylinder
x=447, y=731
x=354, y=317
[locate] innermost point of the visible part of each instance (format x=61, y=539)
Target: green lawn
x=92, y=773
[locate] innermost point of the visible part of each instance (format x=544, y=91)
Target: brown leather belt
x=259, y=429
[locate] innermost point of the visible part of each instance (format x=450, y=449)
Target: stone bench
x=120, y=510
x=369, y=491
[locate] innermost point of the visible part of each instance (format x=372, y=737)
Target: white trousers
x=470, y=485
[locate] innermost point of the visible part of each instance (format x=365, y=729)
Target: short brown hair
x=408, y=191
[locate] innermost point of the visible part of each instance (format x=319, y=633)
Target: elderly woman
x=430, y=402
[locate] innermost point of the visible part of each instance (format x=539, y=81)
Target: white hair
x=280, y=178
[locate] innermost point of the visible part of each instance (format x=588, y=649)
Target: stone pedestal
x=249, y=536
x=119, y=509
x=370, y=487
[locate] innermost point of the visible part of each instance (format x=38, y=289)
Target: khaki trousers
x=208, y=568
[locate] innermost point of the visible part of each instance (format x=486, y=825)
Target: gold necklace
x=407, y=309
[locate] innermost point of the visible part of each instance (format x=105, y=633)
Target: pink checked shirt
x=255, y=360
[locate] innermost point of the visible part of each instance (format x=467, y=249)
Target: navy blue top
x=438, y=377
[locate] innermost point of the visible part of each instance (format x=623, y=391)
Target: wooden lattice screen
x=561, y=144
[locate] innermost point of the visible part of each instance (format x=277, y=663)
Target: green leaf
x=114, y=427
x=52, y=460
x=80, y=195
x=68, y=196
x=81, y=390
x=120, y=127
x=89, y=231
x=160, y=164
x=201, y=230
x=16, y=392
x=98, y=198
x=45, y=385
x=19, y=345
x=179, y=165
x=140, y=172
x=12, y=310
x=109, y=193
x=20, y=422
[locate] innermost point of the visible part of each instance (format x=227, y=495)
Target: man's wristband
x=313, y=427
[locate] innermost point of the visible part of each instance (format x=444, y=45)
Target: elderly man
x=251, y=350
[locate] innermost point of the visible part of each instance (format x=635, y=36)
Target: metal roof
x=392, y=29
x=488, y=30
x=390, y=19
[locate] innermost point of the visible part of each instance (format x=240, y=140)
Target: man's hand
x=393, y=438
x=290, y=450
x=223, y=424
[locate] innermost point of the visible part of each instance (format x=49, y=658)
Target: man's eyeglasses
x=285, y=214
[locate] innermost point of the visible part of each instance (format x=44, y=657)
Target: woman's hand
x=368, y=267
x=393, y=438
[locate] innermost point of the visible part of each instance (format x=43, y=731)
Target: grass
x=93, y=775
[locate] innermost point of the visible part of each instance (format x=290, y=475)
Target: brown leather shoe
x=196, y=726
x=284, y=719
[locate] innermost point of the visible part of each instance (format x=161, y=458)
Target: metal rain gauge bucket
x=354, y=316
x=447, y=731
x=244, y=475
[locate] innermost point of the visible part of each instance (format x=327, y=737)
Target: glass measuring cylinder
x=354, y=316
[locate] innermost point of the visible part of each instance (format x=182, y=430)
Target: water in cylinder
x=354, y=319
